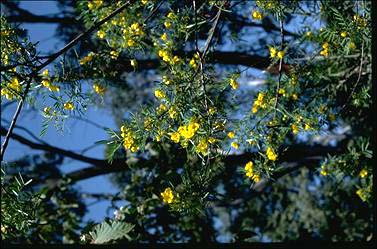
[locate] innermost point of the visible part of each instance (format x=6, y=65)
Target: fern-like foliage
x=110, y=231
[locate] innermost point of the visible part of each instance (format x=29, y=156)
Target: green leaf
x=106, y=232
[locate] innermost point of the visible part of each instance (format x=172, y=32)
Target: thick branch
x=52, y=149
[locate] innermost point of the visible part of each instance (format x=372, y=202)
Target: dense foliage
x=199, y=155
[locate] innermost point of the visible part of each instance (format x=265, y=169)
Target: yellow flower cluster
x=233, y=83
x=68, y=106
x=159, y=94
x=275, y=53
x=235, y=145
x=249, y=168
x=166, y=80
x=271, y=155
x=188, y=131
x=95, y=4
x=295, y=129
x=13, y=88
x=324, y=170
x=114, y=54
x=128, y=139
x=325, y=51
x=185, y=131
x=259, y=103
x=167, y=196
x=363, y=173
x=167, y=57
x=173, y=112
x=360, y=22
x=87, y=58
x=362, y=193
x=101, y=34
x=47, y=83
x=148, y=124
x=343, y=34
x=161, y=108
x=202, y=146
x=231, y=134
x=257, y=15
x=193, y=62
x=132, y=32
x=99, y=89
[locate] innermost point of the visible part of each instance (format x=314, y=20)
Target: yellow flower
x=211, y=140
x=294, y=129
x=294, y=96
x=87, y=58
x=47, y=110
x=280, y=54
x=273, y=52
x=95, y=4
x=257, y=15
x=249, y=166
x=136, y=29
x=188, y=131
x=362, y=194
x=271, y=155
x=202, y=146
x=159, y=136
x=167, y=196
x=363, y=173
x=254, y=109
x=235, y=145
x=101, y=34
x=351, y=45
x=173, y=112
x=193, y=63
x=176, y=59
x=343, y=34
x=175, y=137
x=325, y=45
x=324, y=172
x=233, y=84
x=114, y=54
x=170, y=15
x=231, y=134
x=309, y=34
x=133, y=63
x=46, y=83
x=211, y=110
x=45, y=72
x=99, y=89
x=148, y=124
x=282, y=91
x=324, y=52
x=131, y=42
x=307, y=127
x=166, y=80
x=159, y=94
x=68, y=106
x=167, y=24
x=134, y=149
x=161, y=108
x=164, y=37
x=144, y=2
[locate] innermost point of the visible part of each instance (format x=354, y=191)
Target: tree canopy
x=238, y=121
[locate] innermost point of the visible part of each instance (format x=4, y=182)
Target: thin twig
x=280, y=65
x=358, y=77
x=47, y=62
